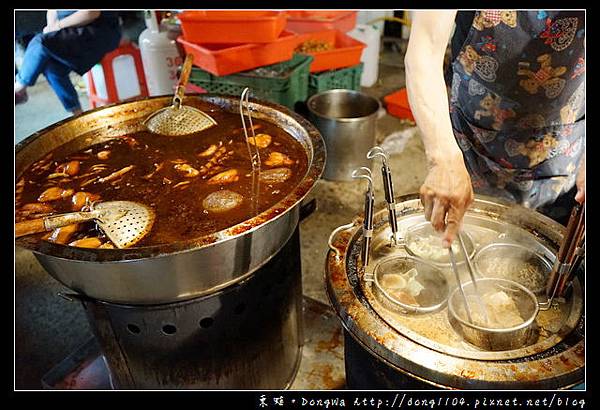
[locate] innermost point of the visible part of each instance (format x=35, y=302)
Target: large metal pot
x=179, y=271
x=385, y=349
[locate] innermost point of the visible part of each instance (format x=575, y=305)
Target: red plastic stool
x=109, y=77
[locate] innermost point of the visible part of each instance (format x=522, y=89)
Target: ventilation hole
x=133, y=329
x=239, y=309
x=169, y=329
x=206, y=322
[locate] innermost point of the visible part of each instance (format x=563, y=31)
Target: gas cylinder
x=160, y=57
x=370, y=55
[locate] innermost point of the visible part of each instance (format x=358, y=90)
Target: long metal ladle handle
x=462, y=291
x=50, y=223
x=253, y=152
x=473, y=279
x=562, y=267
x=184, y=77
x=388, y=188
x=368, y=222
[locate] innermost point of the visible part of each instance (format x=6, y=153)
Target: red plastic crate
x=346, y=51
x=224, y=59
x=307, y=21
x=231, y=26
x=398, y=106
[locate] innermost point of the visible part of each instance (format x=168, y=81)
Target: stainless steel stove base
x=321, y=365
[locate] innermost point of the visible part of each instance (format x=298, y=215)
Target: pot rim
x=316, y=164
x=343, y=119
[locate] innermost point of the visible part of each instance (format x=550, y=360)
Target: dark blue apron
x=80, y=48
x=517, y=103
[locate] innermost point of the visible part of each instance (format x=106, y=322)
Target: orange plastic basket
x=398, y=106
x=346, y=51
x=231, y=26
x=307, y=21
x=224, y=59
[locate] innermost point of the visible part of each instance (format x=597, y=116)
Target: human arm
x=79, y=18
x=51, y=17
x=447, y=191
x=580, y=182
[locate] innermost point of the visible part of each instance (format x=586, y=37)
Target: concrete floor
x=48, y=327
x=43, y=108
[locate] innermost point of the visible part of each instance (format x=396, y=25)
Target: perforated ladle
x=125, y=223
x=178, y=119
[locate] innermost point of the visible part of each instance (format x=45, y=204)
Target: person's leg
x=34, y=63
x=57, y=75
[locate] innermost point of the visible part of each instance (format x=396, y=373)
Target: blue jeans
x=37, y=60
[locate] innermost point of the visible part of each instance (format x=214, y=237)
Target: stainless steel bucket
x=347, y=121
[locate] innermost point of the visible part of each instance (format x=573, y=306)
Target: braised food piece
x=222, y=201
x=275, y=175
x=63, y=234
x=116, y=174
x=262, y=140
x=70, y=168
x=103, y=155
x=209, y=151
x=82, y=198
x=36, y=208
x=54, y=194
x=225, y=177
x=187, y=170
x=277, y=159
x=87, y=243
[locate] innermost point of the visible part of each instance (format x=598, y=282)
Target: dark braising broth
x=197, y=185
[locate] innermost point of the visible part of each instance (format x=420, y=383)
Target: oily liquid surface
x=154, y=177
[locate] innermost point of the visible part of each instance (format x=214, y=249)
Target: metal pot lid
x=430, y=345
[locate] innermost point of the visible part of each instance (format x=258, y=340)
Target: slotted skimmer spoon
x=178, y=119
x=125, y=223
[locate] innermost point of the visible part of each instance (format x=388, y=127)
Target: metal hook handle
x=367, y=175
x=378, y=151
x=364, y=172
x=334, y=234
x=244, y=100
x=388, y=188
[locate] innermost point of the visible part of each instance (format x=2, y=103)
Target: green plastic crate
x=346, y=78
x=284, y=83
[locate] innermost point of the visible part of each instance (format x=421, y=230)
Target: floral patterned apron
x=517, y=103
